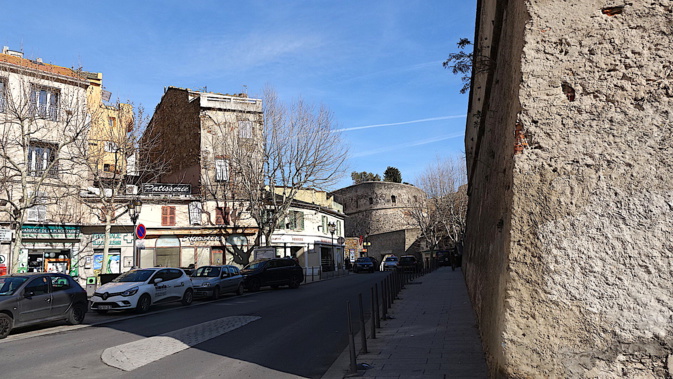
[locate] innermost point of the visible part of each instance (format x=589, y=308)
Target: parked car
x=272, y=272
x=139, y=289
x=212, y=281
x=390, y=263
x=32, y=298
x=408, y=263
x=364, y=264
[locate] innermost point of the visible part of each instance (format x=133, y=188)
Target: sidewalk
x=433, y=334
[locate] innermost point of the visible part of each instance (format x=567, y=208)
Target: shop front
x=120, y=253
x=190, y=250
x=49, y=248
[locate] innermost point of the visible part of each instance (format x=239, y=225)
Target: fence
x=314, y=274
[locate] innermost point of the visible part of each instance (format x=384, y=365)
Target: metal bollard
x=373, y=329
x=376, y=299
x=351, y=341
x=363, y=328
x=384, y=301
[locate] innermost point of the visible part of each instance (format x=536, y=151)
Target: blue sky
x=376, y=64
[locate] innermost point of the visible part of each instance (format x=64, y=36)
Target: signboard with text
x=166, y=189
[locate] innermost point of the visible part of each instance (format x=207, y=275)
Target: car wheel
x=188, y=297
x=144, y=303
x=101, y=311
x=76, y=315
x=216, y=293
x=5, y=325
x=255, y=285
x=239, y=290
x=294, y=282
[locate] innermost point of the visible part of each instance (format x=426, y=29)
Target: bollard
x=376, y=298
x=351, y=341
x=363, y=327
x=384, y=301
x=373, y=331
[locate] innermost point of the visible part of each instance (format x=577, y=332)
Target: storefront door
x=217, y=256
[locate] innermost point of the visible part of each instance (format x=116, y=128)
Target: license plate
x=105, y=307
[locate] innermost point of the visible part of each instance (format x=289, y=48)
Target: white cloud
x=399, y=123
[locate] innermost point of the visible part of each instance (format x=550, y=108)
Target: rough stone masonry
x=569, y=246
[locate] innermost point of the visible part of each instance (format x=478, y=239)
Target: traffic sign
x=141, y=232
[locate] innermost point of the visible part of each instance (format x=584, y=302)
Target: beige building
x=43, y=123
x=568, y=255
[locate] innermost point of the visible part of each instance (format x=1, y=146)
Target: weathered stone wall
x=574, y=279
x=377, y=207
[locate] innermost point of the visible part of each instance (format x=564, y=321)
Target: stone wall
x=574, y=279
x=377, y=207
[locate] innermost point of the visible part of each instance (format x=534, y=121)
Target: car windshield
x=391, y=259
x=254, y=265
x=9, y=284
x=362, y=260
x=134, y=276
x=206, y=272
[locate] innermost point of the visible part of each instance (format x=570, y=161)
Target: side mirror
x=158, y=280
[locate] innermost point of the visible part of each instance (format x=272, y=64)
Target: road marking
x=136, y=354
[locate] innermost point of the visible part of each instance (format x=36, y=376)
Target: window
x=167, y=216
x=37, y=287
x=296, y=220
x=111, y=121
x=371, y=200
x=221, y=170
x=2, y=96
x=38, y=212
x=40, y=156
x=195, y=210
x=245, y=129
x=338, y=225
x=324, y=224
x=111, y=147
x=44, y=102
x=59, y=283
x=393, y=198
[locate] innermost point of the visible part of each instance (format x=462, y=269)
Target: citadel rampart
x=568, y=254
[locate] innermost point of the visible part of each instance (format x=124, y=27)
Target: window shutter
x=195, y=213
x=167, y=216
x=300, y=221
x=221, y=170
x=324, y=224
x=171, y=218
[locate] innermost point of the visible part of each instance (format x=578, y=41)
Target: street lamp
x=134, y=206
x=331, y=227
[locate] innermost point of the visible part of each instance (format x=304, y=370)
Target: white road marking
x=136, y=354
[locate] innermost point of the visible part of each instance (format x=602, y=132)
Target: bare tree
x=43, y=116
x=441, y=217
x=111, y=159
x=299, y=148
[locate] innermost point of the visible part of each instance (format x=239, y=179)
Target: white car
x=139, y=289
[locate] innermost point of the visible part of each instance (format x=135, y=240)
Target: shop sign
x=50, y=232
x=115, y=239
x=206, y=238
x=5, y=236
x=166, y=189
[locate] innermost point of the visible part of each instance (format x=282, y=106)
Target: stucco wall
x=575, y=277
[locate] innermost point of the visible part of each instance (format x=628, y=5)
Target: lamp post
x=331, y=227
x=134, y=206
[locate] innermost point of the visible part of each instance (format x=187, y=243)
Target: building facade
x=568, y=256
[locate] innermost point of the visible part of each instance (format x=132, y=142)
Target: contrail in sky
x=413, y=143
x=399, y=123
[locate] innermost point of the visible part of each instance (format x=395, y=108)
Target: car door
x=178, y=282
x=161, y=289
x=36, y=301
x=225, y=279
x=235, y=278
x=60, y=296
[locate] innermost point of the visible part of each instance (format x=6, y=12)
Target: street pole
x=331, y=227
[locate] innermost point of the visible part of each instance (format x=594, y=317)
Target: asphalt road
x=269, y=334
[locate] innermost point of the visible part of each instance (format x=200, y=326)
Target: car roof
x=31, y=274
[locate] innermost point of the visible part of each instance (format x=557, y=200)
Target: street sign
x=341, y=240
x=141, y=232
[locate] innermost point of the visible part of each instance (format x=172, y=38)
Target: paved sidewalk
x=433, y=334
